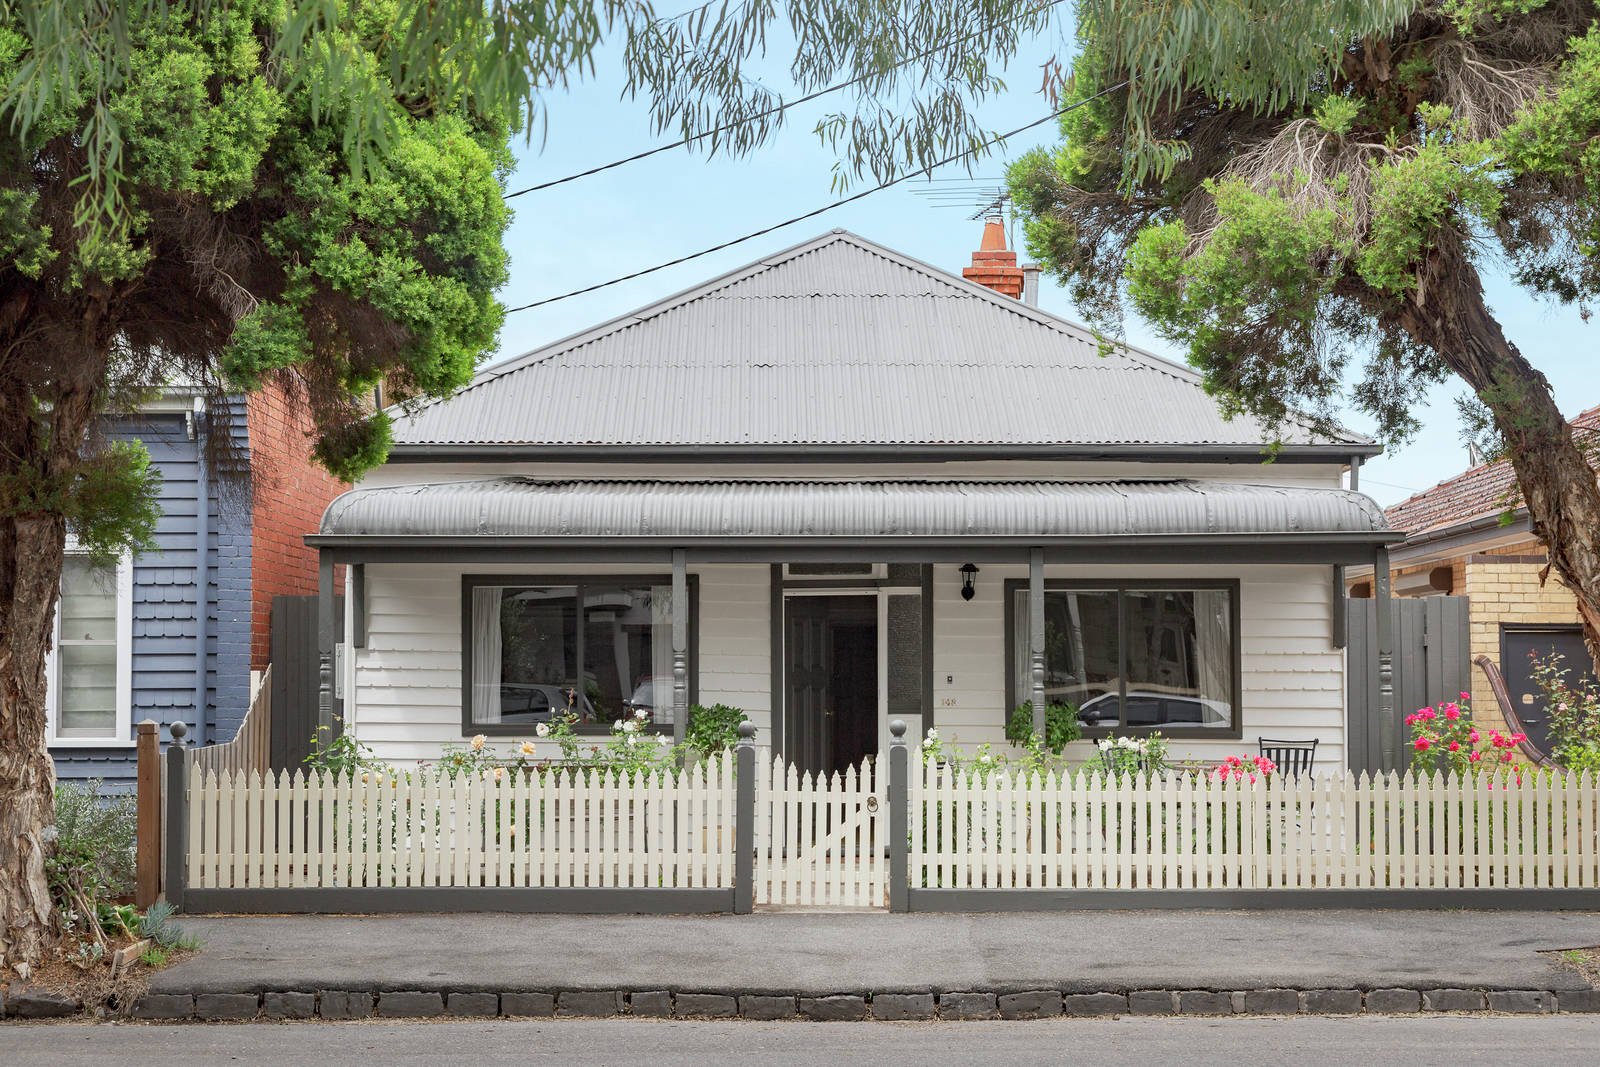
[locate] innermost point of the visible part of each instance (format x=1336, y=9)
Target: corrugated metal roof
x=525, y=507
x=837, y=341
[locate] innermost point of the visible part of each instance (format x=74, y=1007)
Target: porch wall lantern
x=968, y=571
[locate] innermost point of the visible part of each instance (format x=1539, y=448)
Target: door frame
x=877, y=588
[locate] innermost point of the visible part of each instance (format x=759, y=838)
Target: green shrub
x=714, y=729
x=1061, y=726
x=92, y=863
x=164, y=934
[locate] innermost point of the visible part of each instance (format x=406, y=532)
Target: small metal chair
x=1293, y=758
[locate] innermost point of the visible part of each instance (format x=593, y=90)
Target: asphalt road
x=1550, y=1041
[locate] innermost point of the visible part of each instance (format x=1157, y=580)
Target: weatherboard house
x=838, y=487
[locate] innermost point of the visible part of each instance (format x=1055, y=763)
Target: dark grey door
x=1518, y=644
x=808, y=666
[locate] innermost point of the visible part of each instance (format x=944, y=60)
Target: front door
x=830, y=681
x=1517, y=645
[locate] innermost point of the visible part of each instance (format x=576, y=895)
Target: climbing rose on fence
x=1244, y=768
x=1447, y=737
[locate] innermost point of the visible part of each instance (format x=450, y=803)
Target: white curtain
x=486, y=654
x=1213, y=645
x=661, y=654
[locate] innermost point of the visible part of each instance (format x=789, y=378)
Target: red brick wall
x=288, y=495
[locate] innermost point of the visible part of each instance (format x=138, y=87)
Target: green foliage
x=1275, y=194
x=714, y=729
x=154, y=957
x=1448, y=180
x=1337, y=114
x=1129, y=756
x=1574, y=710
x=1061, y=726
x=342, y=756
x=92, y=860
x=168, y=936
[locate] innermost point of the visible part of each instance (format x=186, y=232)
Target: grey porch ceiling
x=835, y=342
x=804, y=510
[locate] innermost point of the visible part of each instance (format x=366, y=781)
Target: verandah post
x=177, y=836
x=325, y=642
x=1388, y=725
x=1036, y=637
x=680, y=645
x=899, y=819
x=744, y=820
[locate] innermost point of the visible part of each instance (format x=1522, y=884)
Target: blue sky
x=676, y=202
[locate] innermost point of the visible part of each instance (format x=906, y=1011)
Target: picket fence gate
x=562, y=827
x=1390, y=831
x=821, y=840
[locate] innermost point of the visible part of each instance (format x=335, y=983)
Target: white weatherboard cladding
x=408, y=679
x=1293, y=683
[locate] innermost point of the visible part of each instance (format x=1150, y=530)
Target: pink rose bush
x=1445, y=738
x=1250, y=769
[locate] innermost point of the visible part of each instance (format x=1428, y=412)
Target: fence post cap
x=146, y=726
x=747, y=732
x=179, y=731
x=897, y=730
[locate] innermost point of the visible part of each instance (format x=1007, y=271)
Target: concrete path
x=1550, y=1041
x=822, y=953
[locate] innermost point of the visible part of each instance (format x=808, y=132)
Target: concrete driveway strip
x=821, y=953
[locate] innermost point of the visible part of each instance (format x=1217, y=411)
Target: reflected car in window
x=1154, y=709
x=526, y=703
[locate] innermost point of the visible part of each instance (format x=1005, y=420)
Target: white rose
x=543, y=729
x=640, y=714
x=933, y=735
x=662, y=738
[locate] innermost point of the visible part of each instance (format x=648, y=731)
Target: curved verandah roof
x=780, y=517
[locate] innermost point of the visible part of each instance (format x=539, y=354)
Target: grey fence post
x=744, y=821
x=899, y=819
x=176, y=839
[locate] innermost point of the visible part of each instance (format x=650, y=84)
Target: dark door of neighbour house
x=1518, y=644
x=831, y=681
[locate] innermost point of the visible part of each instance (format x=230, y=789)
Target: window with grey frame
x=1134, y=657
x=534, y=649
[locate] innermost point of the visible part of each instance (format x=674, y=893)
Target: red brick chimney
x=992, y=264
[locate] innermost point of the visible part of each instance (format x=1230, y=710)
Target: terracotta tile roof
x=1483, y=490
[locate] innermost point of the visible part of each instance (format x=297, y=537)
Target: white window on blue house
x=89, y=701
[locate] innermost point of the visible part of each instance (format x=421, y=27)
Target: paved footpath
x=811, y=953
x=1444, y=1041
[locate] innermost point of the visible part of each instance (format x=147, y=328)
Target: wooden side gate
x=1432, y=663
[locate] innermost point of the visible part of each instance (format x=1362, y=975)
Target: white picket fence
x=821, y=839
x=1086, y=831
x=558, y=828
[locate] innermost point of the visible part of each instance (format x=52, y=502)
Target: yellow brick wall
x=1507, y=593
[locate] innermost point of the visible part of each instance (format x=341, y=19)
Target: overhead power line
x=815, y=211
x=775, y=110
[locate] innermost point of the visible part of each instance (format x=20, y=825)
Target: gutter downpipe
x=202, y=571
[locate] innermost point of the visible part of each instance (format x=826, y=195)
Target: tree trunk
x=31, y=549
x=1447, y=312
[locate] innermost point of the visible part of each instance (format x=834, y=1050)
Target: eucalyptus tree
x=1304, y=196
x=225, y=192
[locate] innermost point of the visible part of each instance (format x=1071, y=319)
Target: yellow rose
x=478, y=741
x=499, y=773
x=528, y=748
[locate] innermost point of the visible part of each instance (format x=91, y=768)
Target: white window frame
x=122, y=735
